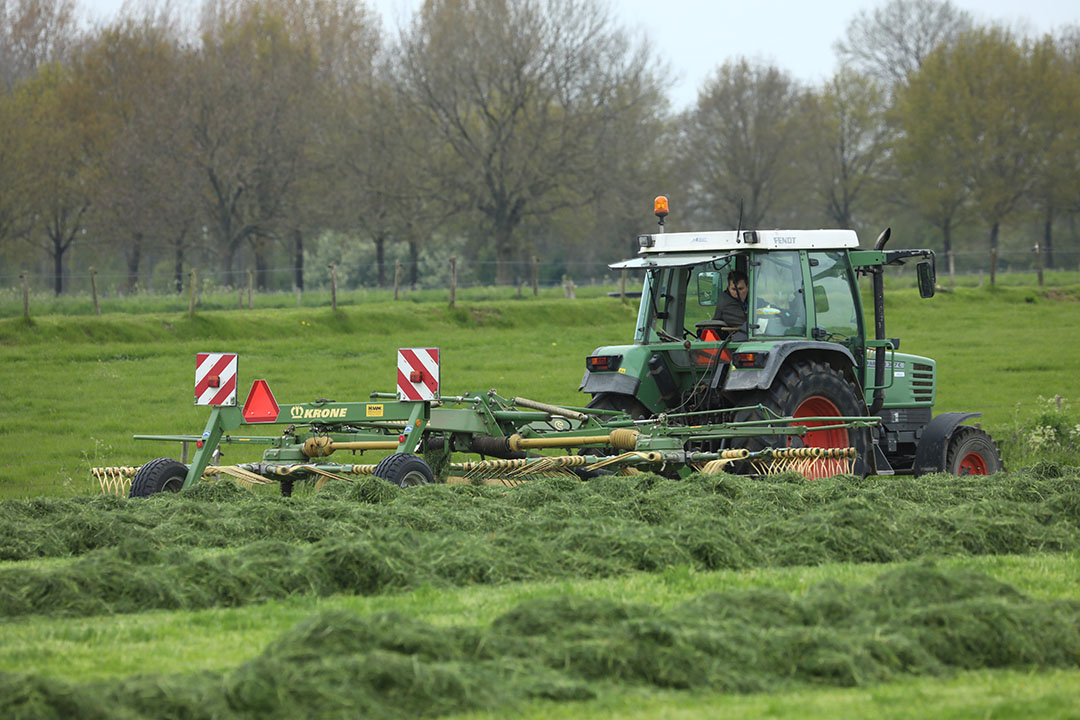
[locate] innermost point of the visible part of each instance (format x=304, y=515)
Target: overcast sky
x=696, y=36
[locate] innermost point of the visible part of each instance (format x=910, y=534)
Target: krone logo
x=300, y=413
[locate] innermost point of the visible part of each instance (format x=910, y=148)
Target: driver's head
x=737, y=286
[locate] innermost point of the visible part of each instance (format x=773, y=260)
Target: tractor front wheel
x=805, y=389
x=405, y=470
x=972, y=452
x=161, y=475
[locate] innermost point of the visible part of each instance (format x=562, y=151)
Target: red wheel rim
x=818, y=406
x=972, y=464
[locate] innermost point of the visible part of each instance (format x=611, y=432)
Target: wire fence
x=86, y=290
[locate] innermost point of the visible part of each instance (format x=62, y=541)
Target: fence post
x=993, y=265
x=536, y=275
x=622, y=287
x=453, y=281
x=239, y=298
x=520, y=283
x=298, y=291
x=251, y=287
x=93, y=290
x=333, y=286
x=191, y=294
x=25, y=296
x=1039, y=263
x=952, y=269
x=397, y=277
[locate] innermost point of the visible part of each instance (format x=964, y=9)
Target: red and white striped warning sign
x=418, y=373
x=215, y=379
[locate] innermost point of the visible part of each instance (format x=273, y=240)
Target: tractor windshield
x=779, y=306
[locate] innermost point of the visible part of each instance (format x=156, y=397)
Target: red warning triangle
x=260, y=406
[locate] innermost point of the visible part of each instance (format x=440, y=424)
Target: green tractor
x=799, y=347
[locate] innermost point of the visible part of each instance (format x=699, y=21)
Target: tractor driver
x=731, y=308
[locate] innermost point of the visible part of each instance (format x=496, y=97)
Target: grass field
x=842, y=598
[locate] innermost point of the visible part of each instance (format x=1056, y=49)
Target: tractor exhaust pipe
x=878, y=281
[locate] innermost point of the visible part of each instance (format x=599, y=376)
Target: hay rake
x=516, y=439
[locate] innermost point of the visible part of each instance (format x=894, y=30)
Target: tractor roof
x=728, y=240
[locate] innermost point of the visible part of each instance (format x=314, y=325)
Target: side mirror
x=708, y=288
x=821, y=300
x=927, y=279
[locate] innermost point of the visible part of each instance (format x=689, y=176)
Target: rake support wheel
x=161, y=475
x=405, y=470
x=972, y=452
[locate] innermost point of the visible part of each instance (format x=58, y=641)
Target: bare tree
x=146, y=193
x=249, y=128
x=523, y=94
x=61, y=131
x=972, y=110
x=740, y=143
x=891, y=41
x=848, y=140
x=32, y=33
x=346, y=41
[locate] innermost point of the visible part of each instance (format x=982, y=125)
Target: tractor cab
x=682, y=296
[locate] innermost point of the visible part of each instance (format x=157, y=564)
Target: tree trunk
x=503, y=255
x=298, y=263
x=380, y=260
x=946, y=236
x=262, y=269
x=133, y=255
x=1048, y=237
x=58, y=265
x=178, y=266
x=993, y=250
x=414, y=260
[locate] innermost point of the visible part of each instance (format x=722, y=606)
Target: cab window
x=707, y=282
x=835, y=313
x=778, y=307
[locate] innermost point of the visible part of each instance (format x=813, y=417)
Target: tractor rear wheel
x=405, y=470
x=161, y=475
x=811, y=389
x=972, y=452
x=623, y=403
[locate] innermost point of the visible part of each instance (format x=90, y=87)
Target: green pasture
x=76, y=388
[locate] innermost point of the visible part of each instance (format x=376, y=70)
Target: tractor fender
x=762, y=378
x=934, y=441
x=609, y=382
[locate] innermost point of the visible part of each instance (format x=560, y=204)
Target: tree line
x=293, y=133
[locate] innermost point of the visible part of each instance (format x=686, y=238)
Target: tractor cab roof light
x=660, y=206
x=660, y=209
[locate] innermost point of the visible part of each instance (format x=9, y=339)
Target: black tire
x=809, y=389
x=405, y=470
x=161, y=475
x=972, y=452
x=623, y=403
